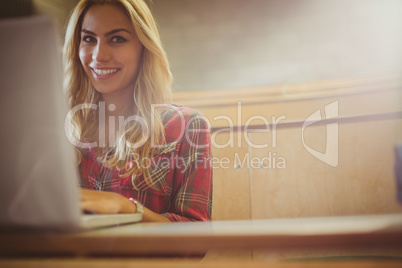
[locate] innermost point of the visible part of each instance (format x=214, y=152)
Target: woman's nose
x=101, y=53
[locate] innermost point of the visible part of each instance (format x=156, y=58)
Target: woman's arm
x=113, y=203
x=192, y=184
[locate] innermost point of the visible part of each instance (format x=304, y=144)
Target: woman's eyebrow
x=116, y=31
x=85, y=31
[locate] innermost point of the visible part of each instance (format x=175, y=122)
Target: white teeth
x=104, y=72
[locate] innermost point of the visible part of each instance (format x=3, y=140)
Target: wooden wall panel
x=359, y=96
x=231, y=192
x=378, y=102
x=362, y=183
x=369, y=114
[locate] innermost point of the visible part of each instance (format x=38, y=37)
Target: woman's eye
x=118, y=39
x=88, y=39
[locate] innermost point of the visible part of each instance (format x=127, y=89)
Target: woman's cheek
x=84, y=55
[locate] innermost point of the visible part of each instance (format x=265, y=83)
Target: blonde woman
x=136, y=154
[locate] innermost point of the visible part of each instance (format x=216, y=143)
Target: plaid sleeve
x=192, y=183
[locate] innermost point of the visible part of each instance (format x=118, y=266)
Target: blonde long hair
x=152, y=86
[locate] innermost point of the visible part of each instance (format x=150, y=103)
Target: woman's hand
x=113, y=203
x=105, y=202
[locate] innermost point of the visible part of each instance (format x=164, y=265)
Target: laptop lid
x=37, y=164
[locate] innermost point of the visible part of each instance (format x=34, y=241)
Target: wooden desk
x=165, y=263
x=381, y=231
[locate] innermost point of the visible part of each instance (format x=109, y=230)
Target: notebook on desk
x=39, y=178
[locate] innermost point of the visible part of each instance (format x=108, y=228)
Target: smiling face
x=110, y=51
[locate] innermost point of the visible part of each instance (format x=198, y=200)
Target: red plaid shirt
x=181, y=171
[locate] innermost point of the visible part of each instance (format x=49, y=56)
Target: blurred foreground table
x=347, y=232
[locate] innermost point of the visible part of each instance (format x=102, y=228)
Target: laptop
x=39, y=176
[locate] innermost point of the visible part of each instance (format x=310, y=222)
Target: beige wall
x=227, y=44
